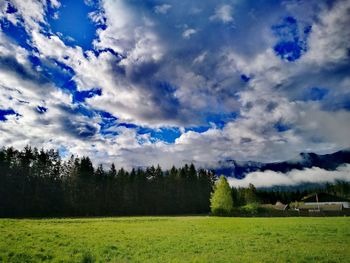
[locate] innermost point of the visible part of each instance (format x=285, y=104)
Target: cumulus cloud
x=292, y=178
x=329, y=42
x=228, y=92
x=30, y=12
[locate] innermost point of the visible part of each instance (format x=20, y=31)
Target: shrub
x=252, y=209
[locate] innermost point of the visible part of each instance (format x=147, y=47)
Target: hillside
x=237, y=169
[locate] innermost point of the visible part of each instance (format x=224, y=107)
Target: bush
x=221, y=212
x=252, y=209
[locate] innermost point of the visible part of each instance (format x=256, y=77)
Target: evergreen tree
x=251, y=195
x=112, y=172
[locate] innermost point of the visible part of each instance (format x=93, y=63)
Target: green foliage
x=250, y=194
x=38, y=183
x=221, y=203
x=242, y=196
x=175, y=239
x=251, y=209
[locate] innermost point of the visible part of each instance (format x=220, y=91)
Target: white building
x=323, y=201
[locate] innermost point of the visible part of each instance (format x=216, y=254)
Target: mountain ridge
x=239, y=169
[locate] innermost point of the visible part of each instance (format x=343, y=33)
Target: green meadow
x=175, y=239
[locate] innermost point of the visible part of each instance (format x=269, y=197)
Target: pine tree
x=251, y=195
x=221, y=203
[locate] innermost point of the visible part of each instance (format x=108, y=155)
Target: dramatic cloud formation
x=294, y=177
x=146, y=82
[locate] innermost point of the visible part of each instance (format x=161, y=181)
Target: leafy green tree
x=221, y=203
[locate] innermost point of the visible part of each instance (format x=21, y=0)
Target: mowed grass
x=175, y=239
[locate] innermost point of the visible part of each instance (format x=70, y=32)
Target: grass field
x=175, y=239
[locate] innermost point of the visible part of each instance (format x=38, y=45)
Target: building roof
x=323, y=197
x=277, y=206
x=333, y=207
x=280, y=206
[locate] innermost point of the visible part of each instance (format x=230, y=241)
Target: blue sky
x=169, y=82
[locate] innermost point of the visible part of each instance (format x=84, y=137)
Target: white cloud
x=55, y=3
x=330, y=38
x=188, y=33
x=292, y=178
x=120, y=26
x=32, y=13
x=162, y=9
x=223, y=13
x=200, y=58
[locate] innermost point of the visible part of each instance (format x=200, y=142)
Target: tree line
x=39, y=183
x=246, y=195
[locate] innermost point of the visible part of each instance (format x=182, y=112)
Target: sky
x=143, y=82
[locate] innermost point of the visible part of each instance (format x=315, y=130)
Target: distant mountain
x=232, y=168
